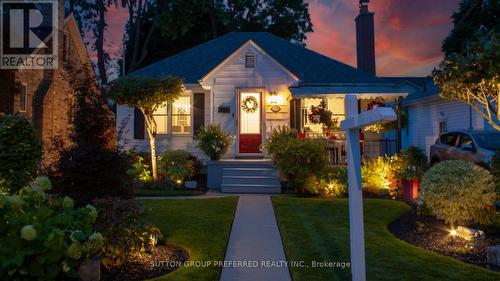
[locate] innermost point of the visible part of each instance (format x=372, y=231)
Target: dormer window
x=249, y=60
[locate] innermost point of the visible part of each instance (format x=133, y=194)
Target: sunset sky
x=408, y=33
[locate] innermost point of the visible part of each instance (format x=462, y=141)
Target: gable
x=235, y=66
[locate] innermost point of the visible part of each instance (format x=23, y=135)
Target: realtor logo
x=28, y=34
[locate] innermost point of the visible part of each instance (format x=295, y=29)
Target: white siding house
x=429, y=115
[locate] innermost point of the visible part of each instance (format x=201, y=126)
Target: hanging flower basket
x=249, y=104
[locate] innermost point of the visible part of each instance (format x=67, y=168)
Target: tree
x=147, y=94
x=471, y=67
x=172, y=26
x=91, y=167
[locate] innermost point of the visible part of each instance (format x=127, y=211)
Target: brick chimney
x=365, y=38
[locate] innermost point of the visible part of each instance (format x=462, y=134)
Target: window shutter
x=198, y=112
x=138, y=124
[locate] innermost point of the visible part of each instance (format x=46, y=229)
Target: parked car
x=475, y=146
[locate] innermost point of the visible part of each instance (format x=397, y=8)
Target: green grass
x=166, y=192
x=318, y=230
x=200, y=225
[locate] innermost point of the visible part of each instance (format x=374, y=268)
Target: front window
x=181, y=116
x=161, y=118
x=490, y=141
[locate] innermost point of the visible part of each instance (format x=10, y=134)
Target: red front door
x=250, y=137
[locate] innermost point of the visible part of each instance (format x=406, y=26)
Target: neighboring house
x=283, y=79
x=430, y=115
x=46, y=96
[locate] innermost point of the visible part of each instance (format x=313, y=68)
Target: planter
x=410, y=189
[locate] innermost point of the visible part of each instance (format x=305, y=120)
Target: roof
x=417, y=81
x=310, y=67
x=428, y=90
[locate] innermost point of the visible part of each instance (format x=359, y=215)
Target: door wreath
x=249, y=104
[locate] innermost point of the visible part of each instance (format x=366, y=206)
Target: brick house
x=47, y=96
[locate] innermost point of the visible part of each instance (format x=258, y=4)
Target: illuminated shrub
x=140, y=170
x=125, y=234
x=459, y=192
x=176, y=165
x=375, y=175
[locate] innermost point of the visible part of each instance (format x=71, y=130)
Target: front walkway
x=255, y=250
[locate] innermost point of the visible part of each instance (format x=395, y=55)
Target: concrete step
x=250, y=188
x=251, y=171
x=261, y=180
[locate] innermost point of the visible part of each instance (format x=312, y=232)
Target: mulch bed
x=432, y=234
x=164, y=259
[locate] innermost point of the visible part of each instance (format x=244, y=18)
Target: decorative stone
x=493, y=255
x=190, y=184
x=469, y=233
x=90, y=270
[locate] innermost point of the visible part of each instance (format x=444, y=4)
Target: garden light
x=453, y=232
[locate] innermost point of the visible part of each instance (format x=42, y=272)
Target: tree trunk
x=151, y=129
x=101, y=57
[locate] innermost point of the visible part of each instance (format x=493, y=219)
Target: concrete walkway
x=255, y=250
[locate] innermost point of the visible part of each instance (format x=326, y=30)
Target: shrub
x=20, y=153
x=411, y=163
x=459, y=192
x=126, y=235
x=495, y=172
x=176, y=165
x=278, y=139
x=140, y=170
x=213, y=141
x=87, y=172
x=92, y=167
x=299, y=159
x=323, y=187
x=43, y=237
x=375, y=175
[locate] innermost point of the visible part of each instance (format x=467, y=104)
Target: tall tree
x=470, y=71
x=147, y=94
x=172, y=26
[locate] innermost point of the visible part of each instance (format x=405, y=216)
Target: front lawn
x=200, y=225
x=318, y=230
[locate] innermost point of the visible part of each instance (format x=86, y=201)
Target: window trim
x=190, y=133
x=24, y=86
x=169, y=115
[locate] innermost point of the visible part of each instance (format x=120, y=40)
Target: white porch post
x=356, y=225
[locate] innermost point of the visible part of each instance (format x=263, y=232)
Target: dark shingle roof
x=419, y=81
x=310, y=67
x=429, y=89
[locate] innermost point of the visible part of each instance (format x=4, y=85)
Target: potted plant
x=213, y=141
x=321, y=115
x=412, y=165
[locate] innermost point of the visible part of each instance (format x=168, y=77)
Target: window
x=465, y=141
x=249, y=60
x=181, y=116
x=449, y=139
x=23, y=98
x=161, y=118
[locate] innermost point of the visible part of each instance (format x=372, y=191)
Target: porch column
x=399, y=125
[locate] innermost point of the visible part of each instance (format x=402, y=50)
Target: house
x=283, y=79
x=47, y=96
x=430, y=115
